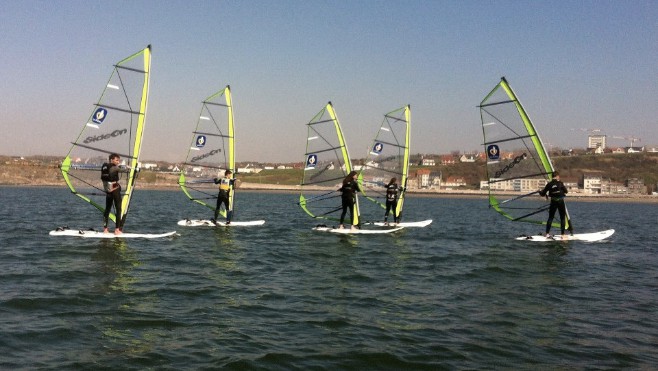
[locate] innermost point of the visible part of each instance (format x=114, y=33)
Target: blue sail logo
x=493, y=152
x=377, y=148
x=311, y=161
x=200, y=141
x=99, y=116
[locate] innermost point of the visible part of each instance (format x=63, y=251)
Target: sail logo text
x=516, y=160
x=113, y=134
x=213, y=152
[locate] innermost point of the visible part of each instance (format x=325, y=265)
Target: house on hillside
x=636, y=186
x=618, y=150
x=454, y=181
x=611, y=188
x=427, y=162
x=447, y=160
x=592, y=182
x=149, y=166
x=469, y=158
x=423, y=178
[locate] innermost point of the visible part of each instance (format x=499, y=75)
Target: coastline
x=293, y=189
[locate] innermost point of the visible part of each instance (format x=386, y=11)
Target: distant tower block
x=595, y=141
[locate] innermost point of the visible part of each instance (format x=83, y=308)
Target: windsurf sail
x=388, y=158
x=326, y=163
x=116, y=125
x=518, y=166
x=211, y=152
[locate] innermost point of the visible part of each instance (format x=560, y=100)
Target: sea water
x=459, y=294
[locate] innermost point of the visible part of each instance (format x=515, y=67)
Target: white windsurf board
x=588, y=237
x=96, y=234
x=209, y=223
x=356, y=231
x=420, y=224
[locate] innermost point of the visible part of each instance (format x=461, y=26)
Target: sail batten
x=517, y=161
x=112, y=128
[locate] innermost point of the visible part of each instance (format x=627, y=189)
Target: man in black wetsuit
x=110, y=177
x=348, y=197
x=224, y=195
x=556, y=190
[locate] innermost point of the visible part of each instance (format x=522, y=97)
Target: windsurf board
x=355, y=231
x=420, y=224
x=96, y=234
x=587, y=237
x=209, y=223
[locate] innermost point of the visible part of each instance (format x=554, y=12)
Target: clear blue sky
x=574, y=64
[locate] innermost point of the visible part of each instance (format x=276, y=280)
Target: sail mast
x=139, y=133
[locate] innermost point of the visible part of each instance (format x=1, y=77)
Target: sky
x=575, y=66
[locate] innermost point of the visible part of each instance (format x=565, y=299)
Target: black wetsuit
x=348, y=198
x=223, y=197
x=110, y=177
x=392, y=201
x=556, y=190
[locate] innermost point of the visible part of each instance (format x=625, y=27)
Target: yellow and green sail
x=211, y=151
x=115, y=125
x=388, y=158
x=326, y=163
x=518, y=165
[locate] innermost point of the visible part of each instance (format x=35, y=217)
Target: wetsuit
x=556, y=190
x=110, y=178
x=223, y=197
x=348, y=199
x=392, y=201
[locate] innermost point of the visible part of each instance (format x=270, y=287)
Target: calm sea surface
x=459, y=294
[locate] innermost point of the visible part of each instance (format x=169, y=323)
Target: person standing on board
x=110, y=177
x=349, y=189
x=392, y=196
x=223, y=197
x=555, y=190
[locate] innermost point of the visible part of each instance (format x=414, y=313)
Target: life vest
x=225, y=184
x=392, y=192
x=349, y=189
x=105, y=173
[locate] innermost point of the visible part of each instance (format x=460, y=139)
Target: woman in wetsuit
x=392, y=196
